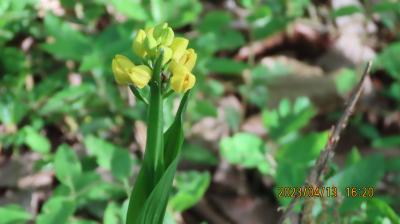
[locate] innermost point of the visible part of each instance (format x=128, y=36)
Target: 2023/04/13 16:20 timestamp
x=323, y=191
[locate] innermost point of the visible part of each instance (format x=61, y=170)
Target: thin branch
x=315, y=176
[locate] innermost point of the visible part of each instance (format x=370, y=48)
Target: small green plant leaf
x=287, y=119
x=246, y=150
x=345, y=81
x=36, y=141
x=347, y=10
x=67, y=165
x=191, y=187
x=56, y=210
x=112, y=214
x=198, y=154
x=110, y=156
x=295, y=158
x=363, y=174
x=13, y=214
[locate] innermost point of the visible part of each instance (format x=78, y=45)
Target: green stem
x=154, y=142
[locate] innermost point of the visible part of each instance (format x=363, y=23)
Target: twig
x=315, y=176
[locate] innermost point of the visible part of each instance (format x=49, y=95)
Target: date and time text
x=323, y=191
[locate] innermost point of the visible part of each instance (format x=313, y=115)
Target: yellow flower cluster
x=148, y=45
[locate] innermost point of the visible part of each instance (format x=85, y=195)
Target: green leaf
x=295, y=158
x=347, y=10
x=345, y=81
x=68, y=43
x=153, y=210
x=191, y=187
x=260, y=16
x=69, y=99
x=82, y=221
x=388, y=60
x=121, y=164
x=36, y=141
x=275, y=25
x=56, y=210
x=387, y=142
x=365, y=173
x=14, y=214
x=233, y=118
x=131, y=8
x=215, y=21
x=112, y=214
x=378, y=207
x=287, y=120
x=394, y=91
x=198, y=154
x=204, y=108
x=353, y=157
x=110, y=156
x=189, y=12
x=386, y=6
x=246, y=150
x=226, y=66
x=67, y=165
x=105, y=152
x=173, y=137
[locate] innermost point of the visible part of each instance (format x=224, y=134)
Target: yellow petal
x=172, y=65
x=182, y=80
x=137, y=45
x=178, y=47
x=168, y=37
x=167, y=55
x=120, y=67
x=189, y=59
x=150, y=43
x=140, y=75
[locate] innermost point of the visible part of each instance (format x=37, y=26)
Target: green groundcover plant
x=165, y=67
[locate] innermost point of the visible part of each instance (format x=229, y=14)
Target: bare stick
x=315, y=176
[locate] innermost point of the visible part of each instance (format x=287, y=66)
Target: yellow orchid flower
x=182, y=79
x=140, y=75
x=178, y=47
x=163, y=34
x=137, y=44
x=125, y=72
x=189, y=59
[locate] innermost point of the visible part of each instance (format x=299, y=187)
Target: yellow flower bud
x=167, y=37
x=188, y=59
x=137, y=44
x=163, y=34
x=125, y=72
x=159, y=29
x=178, y=47
x=150, y=43
x=182, y=80
x=139, y=75
x=120, y=66
x=167, y=54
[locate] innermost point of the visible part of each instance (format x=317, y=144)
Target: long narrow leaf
x=154, y=208
x=173, y=137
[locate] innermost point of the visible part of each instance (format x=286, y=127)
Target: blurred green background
x=272, y=78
